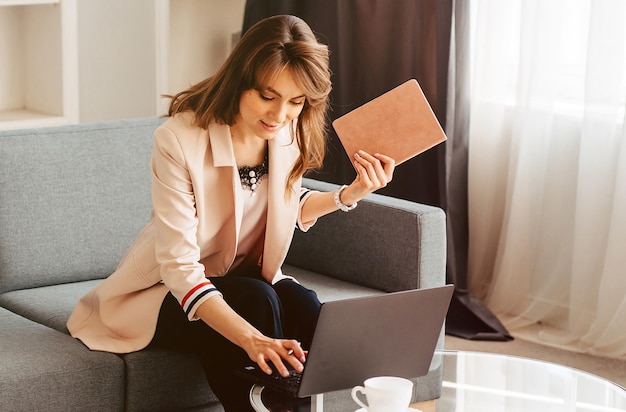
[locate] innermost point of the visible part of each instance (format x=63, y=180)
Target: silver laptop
x=392, y=334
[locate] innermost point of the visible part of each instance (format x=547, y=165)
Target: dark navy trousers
x=284, y=310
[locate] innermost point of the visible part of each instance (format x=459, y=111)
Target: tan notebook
x=400, y=124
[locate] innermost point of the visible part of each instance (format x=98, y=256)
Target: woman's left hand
x=374, y=171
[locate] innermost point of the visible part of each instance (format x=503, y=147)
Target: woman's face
x=263, y=113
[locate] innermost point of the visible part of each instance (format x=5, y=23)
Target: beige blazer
x=192, y=234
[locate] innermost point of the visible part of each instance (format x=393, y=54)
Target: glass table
x=476, y=381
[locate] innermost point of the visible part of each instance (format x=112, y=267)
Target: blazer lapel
x=282, y=213
x=224, y=156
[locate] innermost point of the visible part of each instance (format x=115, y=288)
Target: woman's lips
x=269, y=127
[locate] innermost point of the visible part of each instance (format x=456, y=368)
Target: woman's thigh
x=255, y=300
x=301, y=308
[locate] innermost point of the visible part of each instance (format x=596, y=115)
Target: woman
x=204, y=275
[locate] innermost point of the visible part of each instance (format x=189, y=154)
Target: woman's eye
x=266, y=98
x=297, y=102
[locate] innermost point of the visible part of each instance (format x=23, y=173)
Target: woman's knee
x=295, y=296
x=257, y=302
x=301, y=309
x=259, y=294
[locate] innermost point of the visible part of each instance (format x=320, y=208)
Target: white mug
x=384, y=394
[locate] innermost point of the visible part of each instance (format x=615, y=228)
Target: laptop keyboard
x=275, y=381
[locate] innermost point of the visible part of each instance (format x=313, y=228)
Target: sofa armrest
x=385, y=243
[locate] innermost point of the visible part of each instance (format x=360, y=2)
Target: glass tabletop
x=474, y=381
x=477, y=381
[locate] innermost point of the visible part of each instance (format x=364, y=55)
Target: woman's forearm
x=319, y=204
x=262, y=349
x=373, y=173
x=216, y=313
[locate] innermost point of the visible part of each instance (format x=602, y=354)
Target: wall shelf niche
x=39, y=73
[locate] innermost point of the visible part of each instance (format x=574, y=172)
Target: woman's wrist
x=343, y=202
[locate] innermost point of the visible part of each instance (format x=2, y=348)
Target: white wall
x=131, y=52
x=116, y=59
x=12, y=47
x=30, y=59
x=200, y=38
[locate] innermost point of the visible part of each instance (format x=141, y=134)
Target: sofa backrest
x=385, y=243
x=72, y=200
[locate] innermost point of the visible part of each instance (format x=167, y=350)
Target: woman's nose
x=279, y=114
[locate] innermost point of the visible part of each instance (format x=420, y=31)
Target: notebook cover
x=400, y=124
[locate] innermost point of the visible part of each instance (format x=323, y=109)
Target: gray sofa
x=73, y=198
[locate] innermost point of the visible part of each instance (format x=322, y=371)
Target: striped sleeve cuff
x=304, y=195
x=196, y=296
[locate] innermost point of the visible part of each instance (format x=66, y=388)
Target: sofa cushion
x=180, y=379
x=184, y=384
x=72, y=199
x=327, y=288
x=49, y=305
x=44, y=370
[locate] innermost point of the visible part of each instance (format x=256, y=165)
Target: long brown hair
x=267, y=48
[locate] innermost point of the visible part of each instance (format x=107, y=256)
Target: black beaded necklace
x=251, y=175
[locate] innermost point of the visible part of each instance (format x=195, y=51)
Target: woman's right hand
x=216, y=313
x=265, y=351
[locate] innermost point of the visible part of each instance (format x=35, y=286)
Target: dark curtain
x=375, y=46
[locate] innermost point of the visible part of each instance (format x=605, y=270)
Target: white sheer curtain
x=547, y=170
